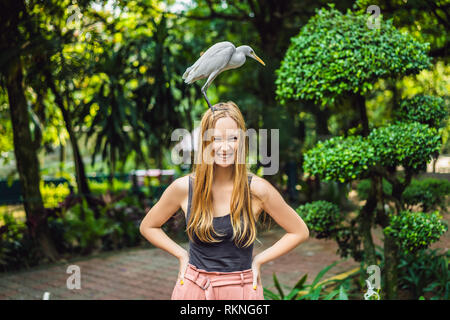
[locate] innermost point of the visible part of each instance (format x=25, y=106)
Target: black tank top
x=224, y=256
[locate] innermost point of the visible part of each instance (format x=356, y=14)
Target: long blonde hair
x=201, y=217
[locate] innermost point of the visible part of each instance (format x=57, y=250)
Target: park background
x=91, y=91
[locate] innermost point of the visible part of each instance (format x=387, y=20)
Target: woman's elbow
x=142, y=228
x=305, y=234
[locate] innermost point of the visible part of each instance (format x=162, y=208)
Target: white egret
x=219, y=57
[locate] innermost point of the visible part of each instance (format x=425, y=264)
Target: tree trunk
x=80, y=173
x=390, y=268
x=391, y=249
x=83, y=187
x=27, y=161
x=365, y=218
x=321, y=117
x=62, y=159
x=82, y=184
x=361, y=106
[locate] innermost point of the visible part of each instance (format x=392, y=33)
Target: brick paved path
x=151, y=273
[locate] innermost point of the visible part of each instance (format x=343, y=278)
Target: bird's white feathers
x=214, y=59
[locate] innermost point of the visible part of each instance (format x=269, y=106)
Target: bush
x=411, y=145
x=414, y=231
x=52, y=195
x=322, y=217
x=425, y=272
x=335, y=55
x=313, y=291
x=85, y=231
x=128, y=216
x=103, y=187
x=424, y=109
x=340, y=159
x=17, y=248
x=429, y=193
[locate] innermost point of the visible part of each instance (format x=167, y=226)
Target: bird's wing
x=218, y=49
x=211, y=66
x=215, y=49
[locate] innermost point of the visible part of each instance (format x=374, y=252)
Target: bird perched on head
x=219, y=57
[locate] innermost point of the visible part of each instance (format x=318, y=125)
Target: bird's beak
x=258, y=59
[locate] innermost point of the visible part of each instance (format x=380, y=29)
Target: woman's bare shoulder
x=181, y=184
x=260, y=186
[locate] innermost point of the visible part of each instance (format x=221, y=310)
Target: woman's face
x=225, y=141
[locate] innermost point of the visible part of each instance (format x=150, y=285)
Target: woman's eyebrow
x=229, y=135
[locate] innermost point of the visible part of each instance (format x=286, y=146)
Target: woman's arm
x=274, y=204
x=167, y=206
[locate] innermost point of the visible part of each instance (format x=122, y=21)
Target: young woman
x=222, y=202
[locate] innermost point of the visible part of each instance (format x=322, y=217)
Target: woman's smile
x=226, y=156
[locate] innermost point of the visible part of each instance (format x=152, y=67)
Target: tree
x=13, y=44
x=337, y=56
x=334, y=57
x=427, y=20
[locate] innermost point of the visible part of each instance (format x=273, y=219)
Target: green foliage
x=336, y=54
x=6, y=131
x=363, y=188
x=424, y=109
x=410, y=145
x=17, y=248
x=340, y=159
x=313, y=291
x=348, y=238
x=422, y=19
x=103, y=187
x=322, y=217
x=76, y=230
x=128, y=215
x=52, y=196
x=429, y=193
x=84, y=230
x=425, y=272
x=325, y=220
x=414, y=231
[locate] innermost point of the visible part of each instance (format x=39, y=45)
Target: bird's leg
x=206, y=97
x=205, y=87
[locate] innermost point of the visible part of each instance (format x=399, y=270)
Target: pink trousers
x=200, y=284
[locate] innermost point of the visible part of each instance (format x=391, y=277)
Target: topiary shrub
x=322, y=217
x=340, y=159
x=429, y=193
x=410, y=145
x=414, y=231
x=428, y=110
x=336, y=54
